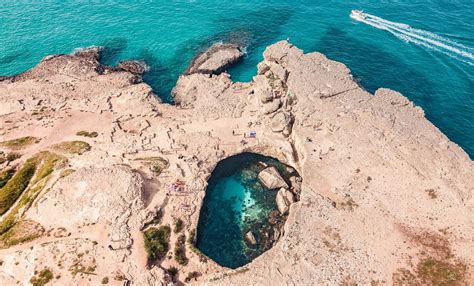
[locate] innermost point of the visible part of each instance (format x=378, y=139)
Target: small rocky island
x=100, y=182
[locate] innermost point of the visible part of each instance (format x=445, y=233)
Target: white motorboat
x=358, y=14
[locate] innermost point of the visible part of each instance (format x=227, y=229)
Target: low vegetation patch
x=13, y=156
x=21, y=232
x=72, y=147
x=105, y=280
x=437, y=272
x=5, y=176
x=43, y=277
x=157, y=242
x=180, y=250
x=14, y=187
x=40, y=166
x=19, y=143
x=178, y=225
x=92, y=134
x=156, y=164
x=192, y=275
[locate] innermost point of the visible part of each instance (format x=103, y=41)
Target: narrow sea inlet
x=236, y=204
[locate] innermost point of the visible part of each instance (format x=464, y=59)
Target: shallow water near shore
x=236, y=203
x=167, y=34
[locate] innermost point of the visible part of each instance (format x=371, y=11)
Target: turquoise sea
x=423, y=49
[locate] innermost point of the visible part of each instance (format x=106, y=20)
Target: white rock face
x=284, y=199
x=215, y=59
x=271, y=179
x=111, y=195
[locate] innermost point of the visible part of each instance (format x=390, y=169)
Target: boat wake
x=418, y=36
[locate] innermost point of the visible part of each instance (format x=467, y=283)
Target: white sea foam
x=420, y=37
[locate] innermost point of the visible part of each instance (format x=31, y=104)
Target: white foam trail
x=420, y=37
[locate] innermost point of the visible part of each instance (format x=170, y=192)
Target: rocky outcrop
x=134, y=67
x=215, y=60
x=384, y=192
x=271, y=179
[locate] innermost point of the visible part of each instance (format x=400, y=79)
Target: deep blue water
x=167, y=34
x=236, y=203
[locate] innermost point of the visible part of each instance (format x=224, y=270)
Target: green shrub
x=157, y=242
x=43, y=278
x=178, y=225
x=13, y=156
x=5, y=176
x=173, y=272
x=105, y=280
x=87, y=134
x=180, y=250
x=192, y=275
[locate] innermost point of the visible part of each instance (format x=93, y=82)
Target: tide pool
x=236, y=203
x=167, y=34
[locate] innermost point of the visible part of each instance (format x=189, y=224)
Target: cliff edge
x=90, y=156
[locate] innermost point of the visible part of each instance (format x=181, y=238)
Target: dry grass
x=72, y=147
x=41, y=166
x=156, y=164
x=19, y=143
x=92, y=134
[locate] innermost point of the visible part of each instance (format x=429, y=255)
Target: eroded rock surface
x=383, y=193
x=215, y=59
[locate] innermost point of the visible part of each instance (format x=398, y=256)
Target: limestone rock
x=284, y=199
x=250, y=238
x=271, y=106
x=262, y=68
x=134, y=67
x=89, y=53
x=215, y=59
x=280, y=121
x=271, y=179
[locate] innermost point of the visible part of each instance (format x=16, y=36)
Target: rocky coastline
x=97, y=162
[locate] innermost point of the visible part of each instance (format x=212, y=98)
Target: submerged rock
x=271, y=179
x=250, y=238
x=135, y=67
x=215, y=59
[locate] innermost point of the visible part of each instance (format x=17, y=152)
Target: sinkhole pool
x=236, y=203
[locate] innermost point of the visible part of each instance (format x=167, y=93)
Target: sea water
x=422, y=49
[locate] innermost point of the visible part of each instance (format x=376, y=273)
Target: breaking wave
x=420, y=37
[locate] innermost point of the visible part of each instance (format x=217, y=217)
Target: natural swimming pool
x=237, y=203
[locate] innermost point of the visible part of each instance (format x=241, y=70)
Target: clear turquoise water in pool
x=236, y=203
x=431, y=62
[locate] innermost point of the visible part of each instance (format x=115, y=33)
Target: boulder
x=295, y=184
x=262, y=68
x=271, y=179
x=280, y=121
x=134, y=67
x=284, y=199
x=215, y=59
x=272, y=106
x=88, y=53
x=250, y=238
